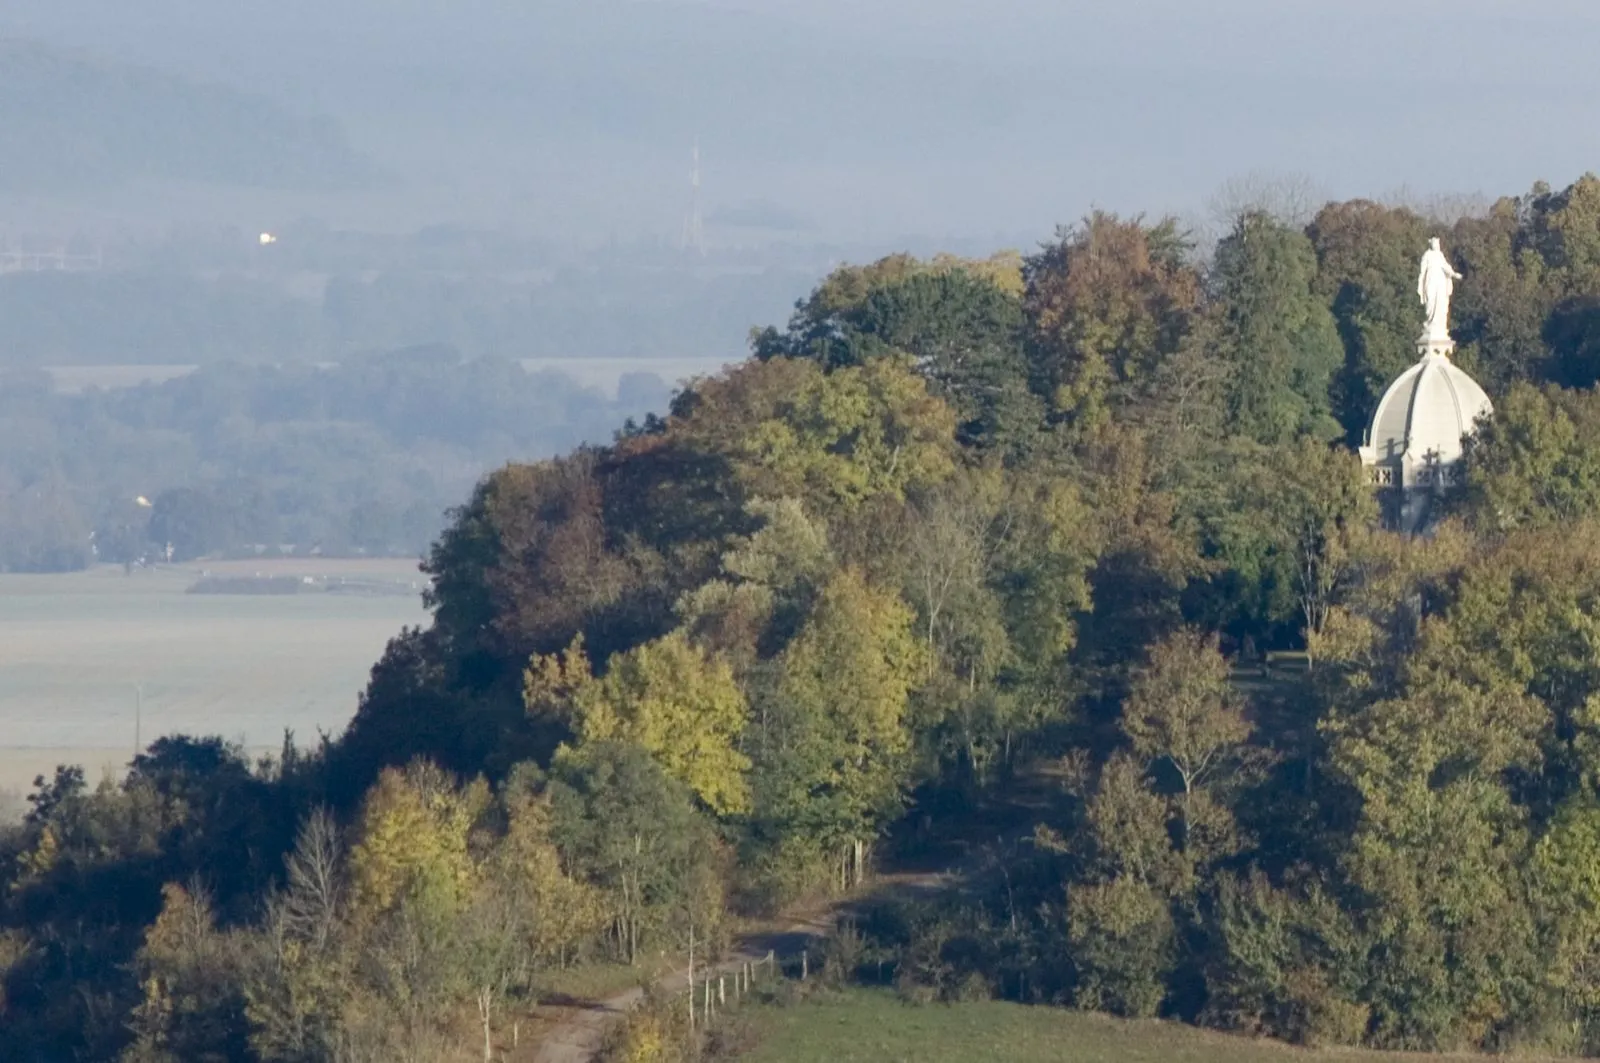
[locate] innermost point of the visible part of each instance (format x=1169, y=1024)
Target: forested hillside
x=956, y=520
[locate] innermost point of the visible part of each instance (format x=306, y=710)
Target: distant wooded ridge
x=180, y=315
x=70, y=122
x=360, y=457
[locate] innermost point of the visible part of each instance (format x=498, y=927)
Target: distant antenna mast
x=693, y=231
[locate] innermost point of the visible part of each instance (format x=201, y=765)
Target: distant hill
x=574, y=118
x=607, y=83
x=70, y=120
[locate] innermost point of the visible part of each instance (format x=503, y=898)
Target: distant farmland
x=80, y=652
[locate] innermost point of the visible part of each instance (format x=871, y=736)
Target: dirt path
x=579, y=1034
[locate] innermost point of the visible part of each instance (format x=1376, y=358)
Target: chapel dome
x=1426, y=411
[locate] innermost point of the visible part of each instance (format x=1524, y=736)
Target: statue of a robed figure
x=1435, y=284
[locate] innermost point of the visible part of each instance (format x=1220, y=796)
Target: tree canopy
x=1074, y=535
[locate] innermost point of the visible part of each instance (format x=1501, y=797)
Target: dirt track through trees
x=579, y=1035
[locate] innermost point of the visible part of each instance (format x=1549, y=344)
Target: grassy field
x=874, y=1026
x=79, y=653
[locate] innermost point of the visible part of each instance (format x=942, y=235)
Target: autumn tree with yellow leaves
x=668, y=697
x=413, y=841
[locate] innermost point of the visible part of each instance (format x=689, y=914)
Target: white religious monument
x=1415, y=443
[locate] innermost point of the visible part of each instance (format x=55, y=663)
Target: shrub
x=908, y=989
x=843, y=955
x=774, y=877
x=1122, y=941
x=1284, y=964
x=972, y=988
x=1318, y=1014
x=654, y=1032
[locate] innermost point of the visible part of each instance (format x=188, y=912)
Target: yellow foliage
x=831, y=439
x=1003, y=269
x=683, y=706
x=182, y=930
x=413, y=839
x=551, y=680
x=849, y=286
x=643, y=1042
x=857, y=661
x=41, y=859
x=847, y=679
x=651, y=1034
x=565, y=911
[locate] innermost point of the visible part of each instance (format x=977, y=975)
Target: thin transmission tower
x=694, y=235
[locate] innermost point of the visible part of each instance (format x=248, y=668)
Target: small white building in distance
x=1414, y=446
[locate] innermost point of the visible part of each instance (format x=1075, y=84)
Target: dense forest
x=958, y=522
x=361, y=457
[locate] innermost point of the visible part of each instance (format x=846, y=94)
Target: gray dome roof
x=1426, y=410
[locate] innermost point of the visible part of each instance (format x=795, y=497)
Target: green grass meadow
x=875, y=1026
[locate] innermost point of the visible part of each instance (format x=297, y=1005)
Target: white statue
x=1435, y=285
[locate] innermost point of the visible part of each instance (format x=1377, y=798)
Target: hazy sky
x=879, y=117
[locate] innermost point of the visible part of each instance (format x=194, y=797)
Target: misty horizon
x=815, y=122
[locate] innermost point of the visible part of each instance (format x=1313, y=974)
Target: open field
x=82, y=654
x=373, y=568
x=874, y=1026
